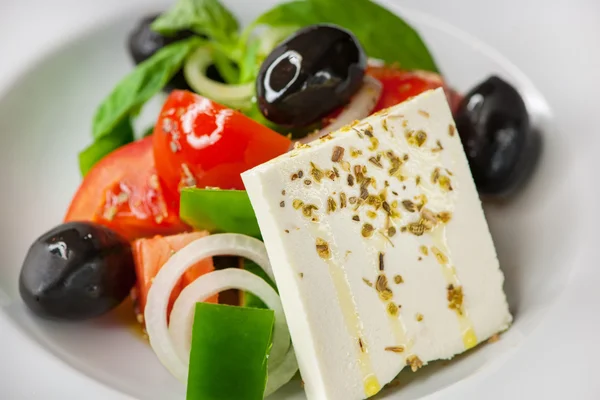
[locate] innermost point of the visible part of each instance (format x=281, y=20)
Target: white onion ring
x=282, y=373
x=156, y=306
x=194, y=70
x=182, y=315
x=361, y=105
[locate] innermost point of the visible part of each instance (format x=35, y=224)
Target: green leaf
x=383, y=34
x=295, y=13
x=120, y=136
x=248, y=299
x=250, y=63
x=226, y=68
x=206, y=17
x=147, y=79
x=230, y=345
x=149, y=131
x=218, y=210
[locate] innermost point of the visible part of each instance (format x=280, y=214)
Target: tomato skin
x=200, y=143
x=123, y=193
x=399, y=85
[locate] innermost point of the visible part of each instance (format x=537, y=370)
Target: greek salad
x=308, y=200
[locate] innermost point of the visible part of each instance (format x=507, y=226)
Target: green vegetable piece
x=228, y=360
x=149, y=131
x=206, y=17
x=226, y=68
x=121, y=135
x=248, y=299
x=147, y=79
x=295, y=13
x=219, y=210
x=383, y=34
x=251, y=62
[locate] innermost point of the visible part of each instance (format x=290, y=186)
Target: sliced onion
x=375, y=62
x=272, y=36
x=361, y=105
x=170, y=345
x=182, y=315
x=194, y=70
x=282, y=373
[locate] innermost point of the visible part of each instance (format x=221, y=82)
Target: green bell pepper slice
x=217, y=210
x=230, y=347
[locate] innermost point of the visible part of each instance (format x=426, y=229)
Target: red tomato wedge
x=399, y=85
x=200, y=143
x=123, y=193
x=151, y=254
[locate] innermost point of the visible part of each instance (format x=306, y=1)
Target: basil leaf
x=228, y=359
x=149, y=131
x=218, y=210
x=120, y=136
x=226, y=68
x=206, y=17
x=147, y=79
x=295, y=13
x=250, y=63
x=383, y=34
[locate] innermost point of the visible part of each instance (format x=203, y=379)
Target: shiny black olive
x=144, y=42
x=76, y=271
x=501, y=147
x=309, y=75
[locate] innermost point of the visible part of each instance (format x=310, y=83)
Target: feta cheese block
x=380, y=249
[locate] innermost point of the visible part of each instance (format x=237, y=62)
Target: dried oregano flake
x=308, y=209
x=392, y=309
x=367, y=230
x=316, y=173
x=451, y=130
x=414, y=362
x=323, y=249
x=355, y=152
x=297, y=203
x=343, y=200
x=331, y=205
x=395, y=349
x=409, y=205
x=338, y=154
x=454, y=295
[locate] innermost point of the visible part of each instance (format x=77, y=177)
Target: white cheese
x=403, y=275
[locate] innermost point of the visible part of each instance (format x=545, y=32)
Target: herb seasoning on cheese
x=359, y=243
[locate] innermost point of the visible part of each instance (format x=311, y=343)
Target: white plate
x=60, y=58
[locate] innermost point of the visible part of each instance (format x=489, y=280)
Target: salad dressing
x=348, y=307
x=449, y=271
x=396, y=322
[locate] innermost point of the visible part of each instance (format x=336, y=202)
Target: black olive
x=76, y=271
x=144, y=42
x=309, y=75
x=501, y=147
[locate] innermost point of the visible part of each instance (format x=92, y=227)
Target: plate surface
x=60, y=70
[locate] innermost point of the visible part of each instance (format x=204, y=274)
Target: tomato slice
x=200, y=143
x=151, y=254
x=123, y=193
x=399, y=85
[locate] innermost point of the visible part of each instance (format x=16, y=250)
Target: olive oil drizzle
x=440, y=241
x=348, y=307
x=396, y=321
